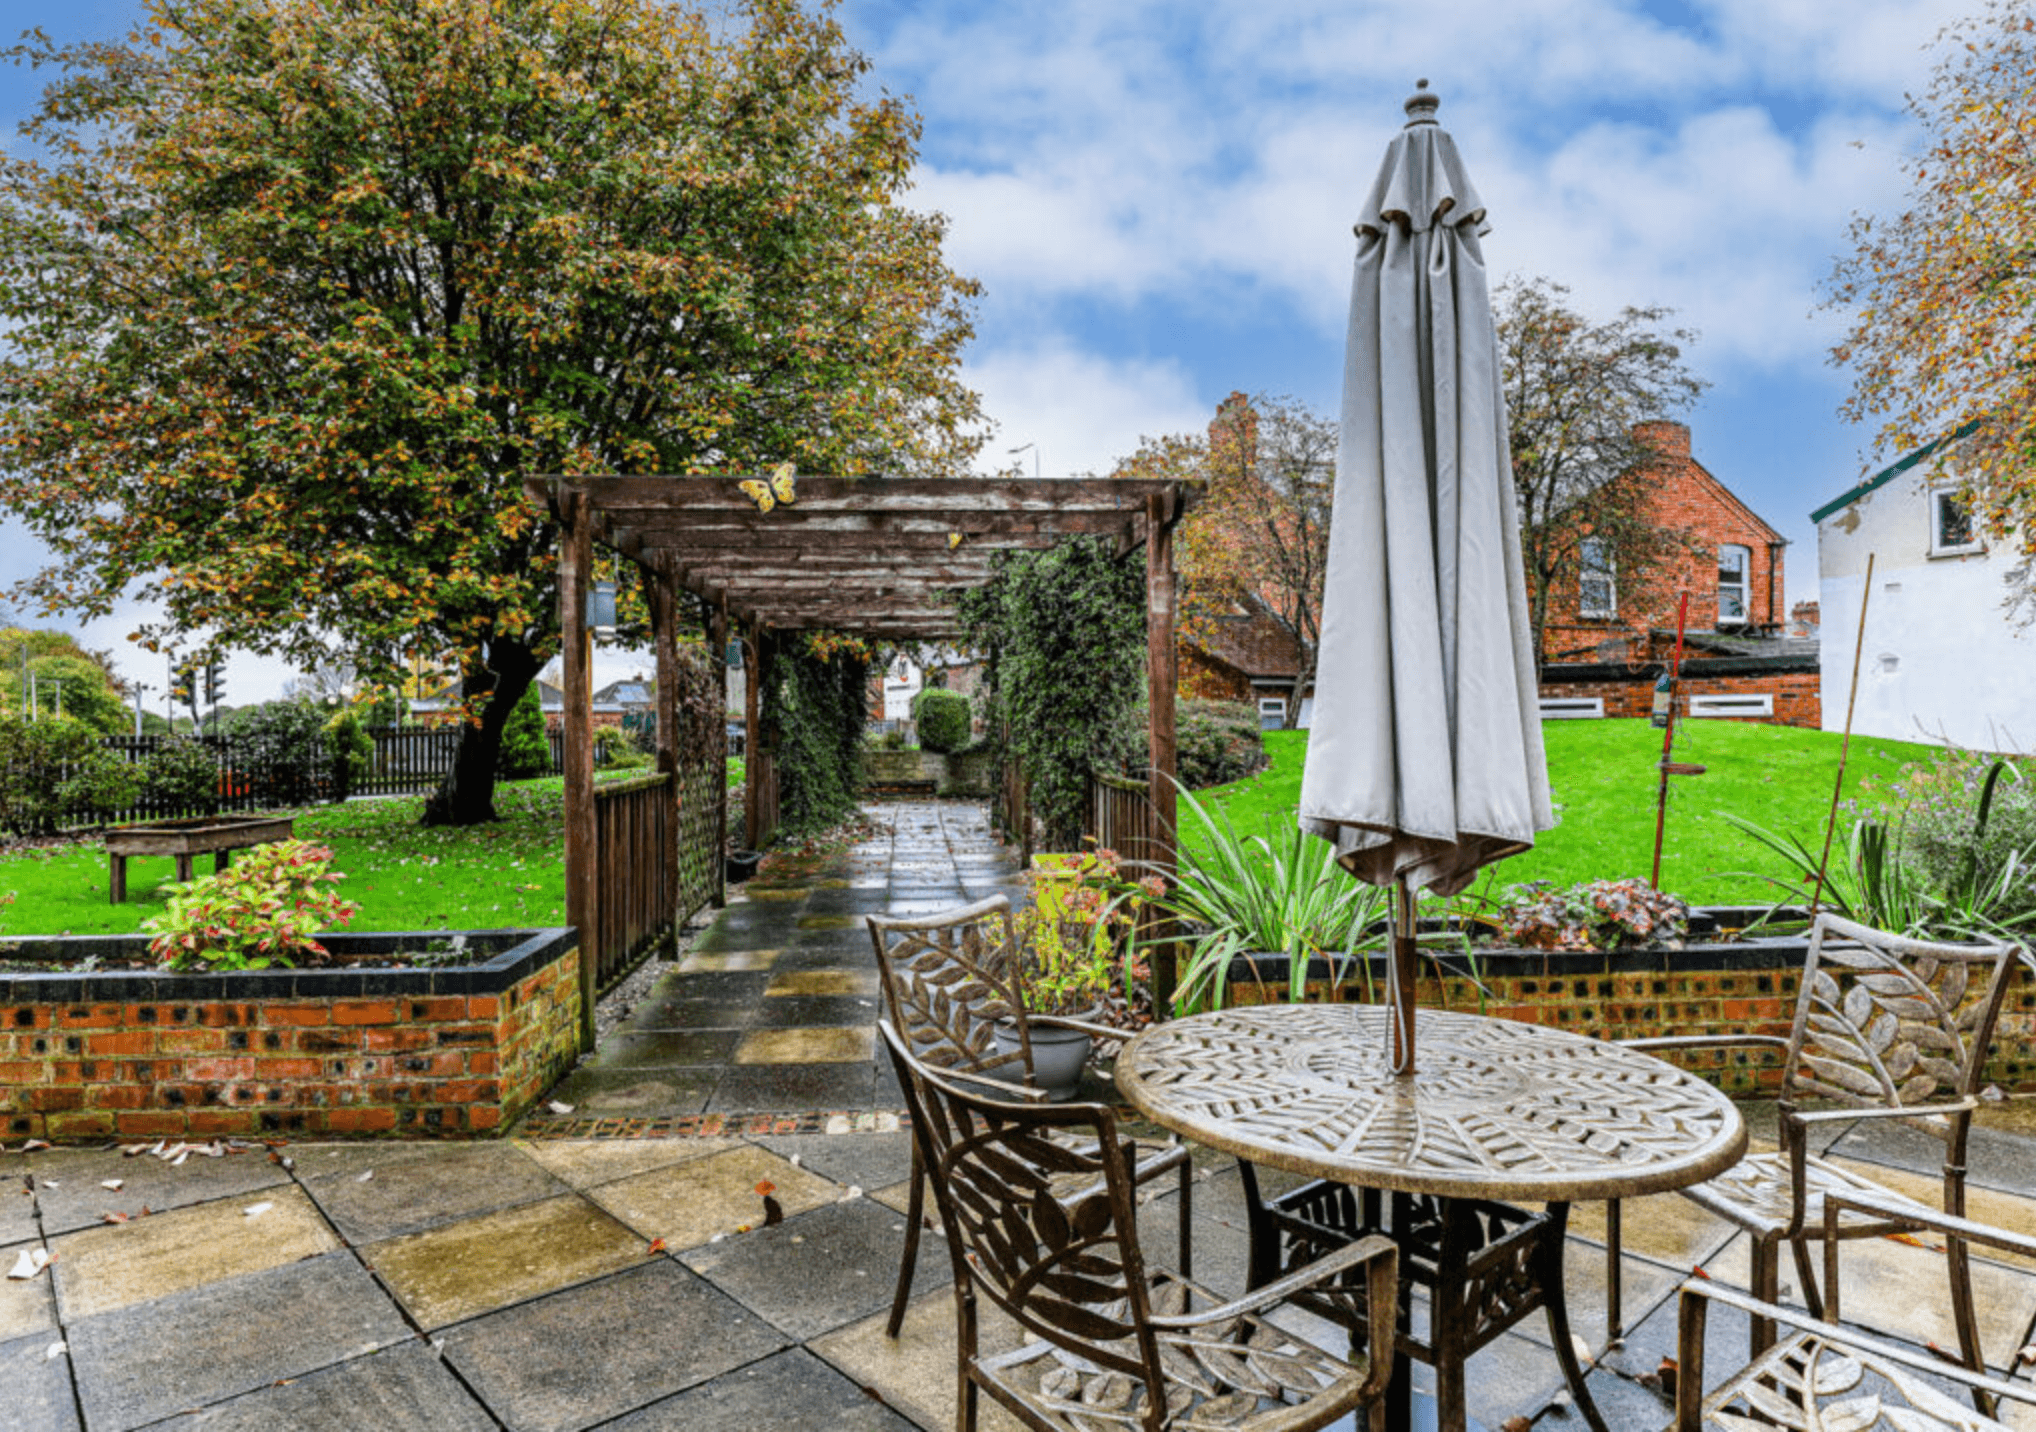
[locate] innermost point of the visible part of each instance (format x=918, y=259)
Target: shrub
x=622, y=753
x=1215, y=742
x=943, y=719
x=351, y=751
x=263, y=909
x=889, y=741
x=1596, y=915
x=526, y=747
x=180, y=775
x=54, y=769
x=278, y=751
x=1961, y=818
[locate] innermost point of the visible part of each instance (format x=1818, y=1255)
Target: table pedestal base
x=1484, y=1265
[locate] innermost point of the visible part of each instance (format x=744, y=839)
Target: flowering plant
x=261, y=910
x=1596, y=915
x=1071, y=939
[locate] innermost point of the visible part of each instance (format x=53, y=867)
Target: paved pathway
x=557, y=1284
x=774, y=1009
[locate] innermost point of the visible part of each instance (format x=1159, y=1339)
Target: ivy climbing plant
x=1063, y=637
x=813, y=691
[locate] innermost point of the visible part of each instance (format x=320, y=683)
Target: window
x=1952, y=530
x=1272, y=713
x=1735, y=564
x=1572, y=708
x=1740, y=705
x=1597, y=591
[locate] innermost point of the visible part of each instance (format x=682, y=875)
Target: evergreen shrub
x=943, y=720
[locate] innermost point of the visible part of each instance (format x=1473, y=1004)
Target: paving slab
x=797, y=1011
x=38, y=1397
x=791, y=1392
x=702, y=1001
x=869, y=1161
x=1997, y=1160
x=637, y=1093
x=17, y=1204
x=587, y=1163
x=149, y=1360
x=861, y=983
x=688, y=1203
x=915, y=1371
x=71, y=1192
x=410, y=1195
x=820, y=1270
x=772, y=1088
x=401, y=1387
x=664, y=1048
x=115, y=1265
x=717, y=962
x=1665, y=1226
x=27, y=1305
x=464, y=1269
x=658, y=1329
x=833, y=1044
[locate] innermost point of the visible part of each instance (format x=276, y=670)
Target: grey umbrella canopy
x=1424, y=758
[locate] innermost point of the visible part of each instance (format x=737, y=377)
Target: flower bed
x=404, y=1050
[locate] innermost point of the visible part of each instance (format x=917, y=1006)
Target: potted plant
x=1072, y=958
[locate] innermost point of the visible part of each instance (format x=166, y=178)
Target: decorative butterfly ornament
x=777, y=490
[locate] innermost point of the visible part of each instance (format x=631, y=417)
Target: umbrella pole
x=1400, y=977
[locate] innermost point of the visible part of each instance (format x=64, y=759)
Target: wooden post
x=664, y=636
x=575, y=568
x=752, y=738
x=717, y=638
x=1159, y=676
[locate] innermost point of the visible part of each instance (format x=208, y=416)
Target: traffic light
x=215, y=683
x=181, y=677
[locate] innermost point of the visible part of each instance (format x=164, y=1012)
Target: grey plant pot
x=1058, y=1057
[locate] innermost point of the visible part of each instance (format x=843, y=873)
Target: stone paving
x=546, y=1282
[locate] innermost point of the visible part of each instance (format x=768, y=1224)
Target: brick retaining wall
x=403, y=1051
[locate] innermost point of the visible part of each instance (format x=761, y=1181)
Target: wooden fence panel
x=1121, y=818
x=633, y=848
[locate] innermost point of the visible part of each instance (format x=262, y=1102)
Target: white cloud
x=1084, y=411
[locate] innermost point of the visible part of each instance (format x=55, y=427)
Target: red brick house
x=1240, y=649
x=1606, y=641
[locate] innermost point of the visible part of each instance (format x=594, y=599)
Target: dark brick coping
x=516, y=954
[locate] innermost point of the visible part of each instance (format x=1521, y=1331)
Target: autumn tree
x=1574, y=390
x=1940, y=338
x=1260, y=530
x=295, y=293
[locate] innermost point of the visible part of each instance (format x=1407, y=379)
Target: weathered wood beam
x=895, y=494
x=717, y=638
x=1160, y=679
x=797, y=526
x=576, y=566
x=752, y=735
x=664, y=602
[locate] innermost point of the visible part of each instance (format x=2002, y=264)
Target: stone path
x=774, y=1009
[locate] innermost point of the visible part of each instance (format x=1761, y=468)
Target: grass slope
x=1603, y=775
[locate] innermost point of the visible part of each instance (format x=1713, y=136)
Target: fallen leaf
x=113, y=1218
x=1665, y=1376
x=33, y=1144
x=657, y=1245
x=1585, y=1358
x=363, y=1178
x=256, y=1210
x=854, y=1191
x=1515, y=1424
x=31, y=1262
x=557, y=1108
x=112, y=1183
x=54, y=1351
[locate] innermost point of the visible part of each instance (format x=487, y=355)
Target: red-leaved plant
x=263, y=909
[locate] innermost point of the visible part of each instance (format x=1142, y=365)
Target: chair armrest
x=1986, y=1235
x=1691, y=1372
x=983, y=1085
x=1911, y=1111
x=1674, y=1042
x=1079, y=1026
x=1165, y=1158
x=1376, y=1250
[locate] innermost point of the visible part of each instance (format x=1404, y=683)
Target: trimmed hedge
x=943, y=719
x=1215, y=742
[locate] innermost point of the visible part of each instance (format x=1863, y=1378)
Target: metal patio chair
x=1120, y=1344
x=948, y=979
x=1885, y=1027
x=1827, y=1373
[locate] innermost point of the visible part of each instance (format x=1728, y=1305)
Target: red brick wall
x=1678, y=494
x=1199, y=675
x=423, y=1066
x=1797, y=695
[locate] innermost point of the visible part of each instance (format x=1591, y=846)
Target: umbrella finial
x=1422, y=105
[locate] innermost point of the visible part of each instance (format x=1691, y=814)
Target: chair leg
x=965, y=1356
x=1959, y=1266
x=1807, y=1276
x=1187, y=1211
x=914, y=1215
x=1767, y=1288
x=1615, y=1315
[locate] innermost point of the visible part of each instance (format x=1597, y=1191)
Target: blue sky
x=1157, y=197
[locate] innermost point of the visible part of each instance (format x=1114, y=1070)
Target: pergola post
x=752, y=738
x=576, y=564
x=664, y=638
x=1160, y=679
x=717, y=638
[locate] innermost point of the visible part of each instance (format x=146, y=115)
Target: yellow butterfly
x=953, y=540
x=768, y=494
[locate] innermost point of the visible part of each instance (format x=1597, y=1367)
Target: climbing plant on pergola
x=874, y=557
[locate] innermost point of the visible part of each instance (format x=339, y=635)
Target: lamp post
x=1034, y=449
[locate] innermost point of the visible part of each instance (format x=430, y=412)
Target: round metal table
x=1496, y=1110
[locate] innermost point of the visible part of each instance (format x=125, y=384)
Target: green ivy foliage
x=350, y=749
x=813, y=693
x=943, y=720
x=1063, y=633
x=526, y=748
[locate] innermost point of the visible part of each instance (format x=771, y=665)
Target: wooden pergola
x=869, y=556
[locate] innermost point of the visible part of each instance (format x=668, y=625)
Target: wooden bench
x=182, y=839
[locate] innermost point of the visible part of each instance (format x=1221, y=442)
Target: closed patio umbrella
x=1424, y=760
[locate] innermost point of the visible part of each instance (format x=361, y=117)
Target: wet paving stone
x=771, y=1088
x=38, y=1397
x=812, y=1044
x=700, y=1001
x=71, y=1195
x=27, y=1305
x=869, y=1161
x=791, y=1392
x=666, y=1048
x=637, y=1093
x=411, y=1195
x=147, y=1361
x=405, y=1386
x=660, y=1328
x=796, y=1010
x=820, y=1270
x=688, y=1204
x=860, y=982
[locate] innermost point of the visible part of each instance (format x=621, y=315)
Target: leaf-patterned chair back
x=1883, y=1021
x=1067, y=1269
x=948, y=980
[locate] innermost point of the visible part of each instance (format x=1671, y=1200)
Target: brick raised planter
x=1727, y=987
x=398, y=1050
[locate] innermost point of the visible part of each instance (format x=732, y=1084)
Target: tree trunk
x=1303, y=679
x=467, y=794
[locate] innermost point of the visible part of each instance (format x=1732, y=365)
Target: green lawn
x=1603, y=774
